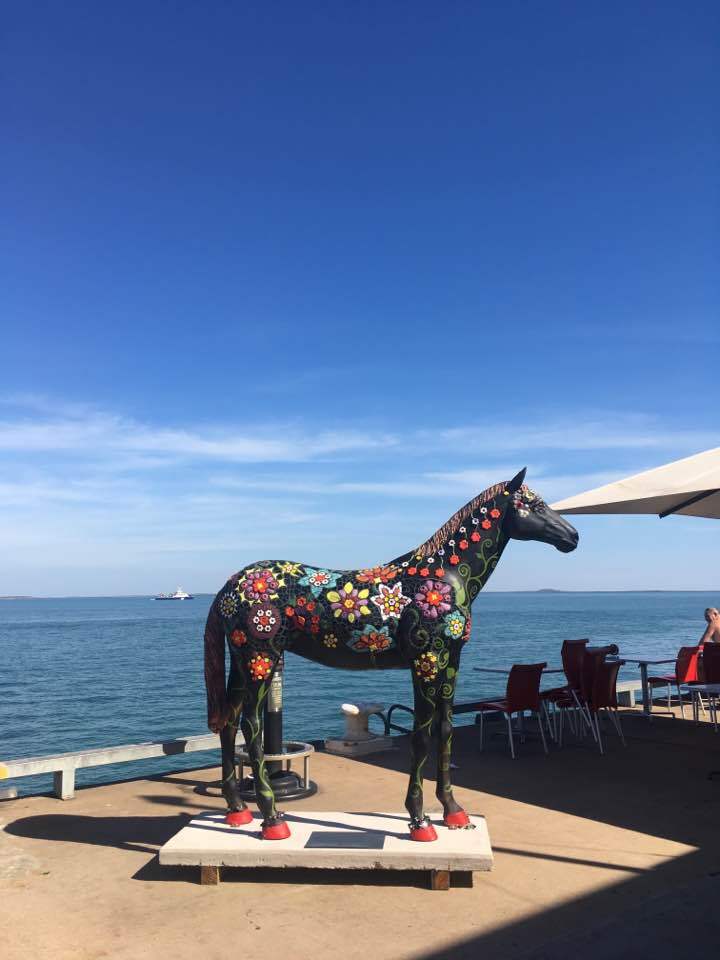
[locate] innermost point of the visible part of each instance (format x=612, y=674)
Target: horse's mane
x=440, y=537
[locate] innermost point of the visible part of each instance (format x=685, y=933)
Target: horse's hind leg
x=420, y=826
x=274, y=826
x=238, y=812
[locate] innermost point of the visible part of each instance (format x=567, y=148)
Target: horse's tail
x=215, y=669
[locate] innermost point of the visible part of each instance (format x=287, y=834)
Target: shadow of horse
x=135, y=834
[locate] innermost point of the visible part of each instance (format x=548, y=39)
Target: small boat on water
x=178, y=595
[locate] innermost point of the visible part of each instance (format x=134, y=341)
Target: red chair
x=522, y=693
x=711, y=667
x=711, y=662
x=686, y=671
x=567, y=697
x=591, y=666
x=571, y=654
x=592, y=660
x=603, y=696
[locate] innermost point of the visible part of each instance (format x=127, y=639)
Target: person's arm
x=708, y=635
x=712, y=631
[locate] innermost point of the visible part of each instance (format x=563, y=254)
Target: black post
x=286, y=784
x=273, y=738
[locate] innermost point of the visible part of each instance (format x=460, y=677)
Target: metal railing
x=63, y=765
x=626, y=690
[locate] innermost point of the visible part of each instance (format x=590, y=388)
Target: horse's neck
x=471, y=550
x=475, y=562
x=477, y=570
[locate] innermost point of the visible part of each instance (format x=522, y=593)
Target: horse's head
x=528, y=517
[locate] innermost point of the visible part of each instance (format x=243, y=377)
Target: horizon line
x=202, y=593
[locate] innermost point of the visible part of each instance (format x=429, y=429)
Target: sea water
x=101, y=671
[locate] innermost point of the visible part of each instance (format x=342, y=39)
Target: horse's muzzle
x=567, y=539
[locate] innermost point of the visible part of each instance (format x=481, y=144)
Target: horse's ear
x=517, y=480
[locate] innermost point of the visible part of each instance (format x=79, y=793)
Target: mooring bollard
x=358, y=738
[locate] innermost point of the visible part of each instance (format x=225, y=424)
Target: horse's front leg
x=420, y=826
x=453, y=813
x=274, y=826
x=238, y=812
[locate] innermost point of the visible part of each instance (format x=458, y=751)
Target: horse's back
x=343, y=618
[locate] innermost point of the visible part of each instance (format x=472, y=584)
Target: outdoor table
x=712, y=692
x=644, y=664
x=508, y=669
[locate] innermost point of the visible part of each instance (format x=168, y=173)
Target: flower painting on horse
x=413, y=613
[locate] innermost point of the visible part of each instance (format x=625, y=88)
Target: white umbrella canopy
x=690, y=487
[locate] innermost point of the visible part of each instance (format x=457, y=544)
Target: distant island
x=18, y=598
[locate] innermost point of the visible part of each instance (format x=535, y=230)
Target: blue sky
x=297, y=280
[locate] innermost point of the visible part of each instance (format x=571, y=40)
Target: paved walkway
x=613, y=855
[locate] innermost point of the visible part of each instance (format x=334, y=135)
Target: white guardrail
x=64, y=765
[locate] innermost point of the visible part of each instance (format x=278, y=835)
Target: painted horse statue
x=412, y=613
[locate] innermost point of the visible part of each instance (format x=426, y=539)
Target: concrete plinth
x=330, y=841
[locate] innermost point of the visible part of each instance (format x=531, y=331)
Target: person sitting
x=712, y=631
x=711, y=635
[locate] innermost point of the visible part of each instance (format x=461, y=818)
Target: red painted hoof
x=276, y=831
x=238, y=818
x=457, y=820
x=423, y=834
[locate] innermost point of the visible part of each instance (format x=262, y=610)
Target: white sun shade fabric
x=690, y=487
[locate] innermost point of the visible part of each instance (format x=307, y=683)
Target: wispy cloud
x=431, y=485
x=46, y=426
x=421, y=483
x=583, y=433
x=83, y=488
x=88, y=432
